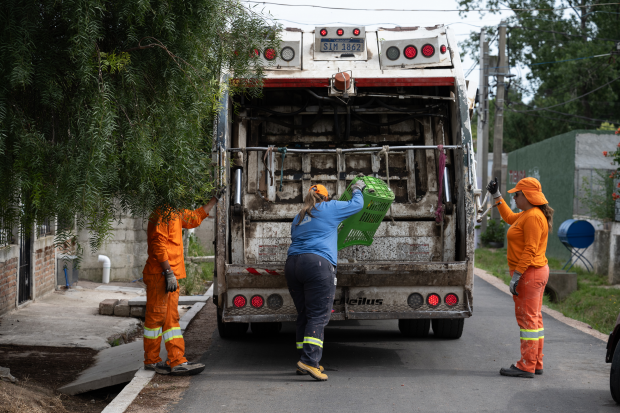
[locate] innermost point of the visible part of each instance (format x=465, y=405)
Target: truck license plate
x=342, y=45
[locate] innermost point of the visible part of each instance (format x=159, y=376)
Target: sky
x=307, y=18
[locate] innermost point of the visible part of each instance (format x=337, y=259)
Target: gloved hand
x=493, y=188
x=359, y=185
x=516, y=276
x=171, y=281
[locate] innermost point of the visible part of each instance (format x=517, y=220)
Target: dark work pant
x=311, y=281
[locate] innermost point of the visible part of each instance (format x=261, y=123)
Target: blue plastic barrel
x=576, y=233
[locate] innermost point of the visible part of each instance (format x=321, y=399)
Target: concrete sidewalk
x=69, y=319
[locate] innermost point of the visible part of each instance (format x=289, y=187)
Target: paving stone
x=106, y=307
x=122, y=309
x=138, y=311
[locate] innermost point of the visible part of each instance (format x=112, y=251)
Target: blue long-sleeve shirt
x=319, y=235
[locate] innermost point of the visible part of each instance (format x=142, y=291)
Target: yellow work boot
x=312, y=371
x=301, y=372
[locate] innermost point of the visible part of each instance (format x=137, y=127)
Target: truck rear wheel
x=230, y=330
x=266, y=329
x=450, y=328
x=414, y=327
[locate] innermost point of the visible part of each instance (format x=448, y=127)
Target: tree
x=556, y=42
x=107, y=107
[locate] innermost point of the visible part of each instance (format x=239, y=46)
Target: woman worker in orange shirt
x=527, y=244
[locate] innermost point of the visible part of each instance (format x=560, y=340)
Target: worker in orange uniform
x=527, y=244
x=164, y=267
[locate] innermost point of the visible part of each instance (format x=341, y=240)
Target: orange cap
x=532, y=190
x=320, y=189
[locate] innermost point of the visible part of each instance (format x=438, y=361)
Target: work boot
x=161, y=365
x=538, y=372
x=301, y=372
x=162, y=368
x=187, y=369
x=312, y=371
x=512, y=371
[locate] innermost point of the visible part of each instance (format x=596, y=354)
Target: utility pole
x=483, y=118
x=498, y=132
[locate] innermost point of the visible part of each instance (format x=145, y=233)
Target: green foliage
x=592, y=303
x=197, y=274
x=598, y=196
x=557, y=31
x=108, y=107
x=495, y=232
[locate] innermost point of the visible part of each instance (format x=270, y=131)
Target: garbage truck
x=337, y=102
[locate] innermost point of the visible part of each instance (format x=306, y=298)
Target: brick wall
x=43, y=266
x=8, y=278
x=44, y=271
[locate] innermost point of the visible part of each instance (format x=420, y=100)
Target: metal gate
x=25, y=275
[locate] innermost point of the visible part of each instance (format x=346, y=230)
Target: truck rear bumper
x=351, y=316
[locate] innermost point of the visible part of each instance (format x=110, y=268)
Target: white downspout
x=106, y=268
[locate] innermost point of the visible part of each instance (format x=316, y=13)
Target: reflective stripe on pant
x=528, y=310
x=162, y=320
x=311, y=282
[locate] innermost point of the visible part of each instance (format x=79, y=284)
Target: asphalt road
x=372, y=368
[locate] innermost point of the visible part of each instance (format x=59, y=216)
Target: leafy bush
x=496, y=230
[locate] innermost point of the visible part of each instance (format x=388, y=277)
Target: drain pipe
x=106, y=268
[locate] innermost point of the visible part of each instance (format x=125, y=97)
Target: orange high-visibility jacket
x=165, y=241
x=527, y=237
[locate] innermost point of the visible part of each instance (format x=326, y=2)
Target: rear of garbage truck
x=337, y=102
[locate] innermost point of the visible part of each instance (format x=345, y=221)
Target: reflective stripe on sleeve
x=300, y=344
x=541, y=333
x=529, y=334
x=152, y=333
x=314, y=341
x=174, y=332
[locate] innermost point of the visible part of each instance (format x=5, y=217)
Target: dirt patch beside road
x=162, y=391
x=42, y=370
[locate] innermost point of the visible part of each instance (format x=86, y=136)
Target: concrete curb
x=583, y=327
x=143, y=377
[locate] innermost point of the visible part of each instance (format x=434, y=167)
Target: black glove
x=358, y=185
x=493, y=188
x=516, y=276
x=171, y=281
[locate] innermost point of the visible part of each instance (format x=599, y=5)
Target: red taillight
x=428, y=50
x=443, y=49
x=257, y=301
x=270, y=54
x=433, y=300
x=410, y=52
x=323, y=32
x=339, y=32
x=256, y=53
x=451, y=300
x=239, y=301
x=356, y=32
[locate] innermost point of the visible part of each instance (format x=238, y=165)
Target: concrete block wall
x=44, y=266
x=127, y=250
x=9, y=264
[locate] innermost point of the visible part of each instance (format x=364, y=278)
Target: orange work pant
x=528, y=309
x=162, y=319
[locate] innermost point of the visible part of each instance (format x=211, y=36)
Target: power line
x=562, y=33
x=570, y=60
x=423, y=10
x=549, y=117
x=573, y=99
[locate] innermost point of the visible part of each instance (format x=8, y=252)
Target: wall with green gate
x=552, y=162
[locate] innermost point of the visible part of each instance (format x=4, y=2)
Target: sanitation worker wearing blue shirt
x=310, y=269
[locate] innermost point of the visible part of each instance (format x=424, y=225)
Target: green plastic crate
x=359, y=229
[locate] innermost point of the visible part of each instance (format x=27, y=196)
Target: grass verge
x=197, y=274
x=592, y=303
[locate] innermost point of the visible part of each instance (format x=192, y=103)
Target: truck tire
x=414, y=328
x=450, y=328
x=614, y=376
x=230, y=330
x=266, y=329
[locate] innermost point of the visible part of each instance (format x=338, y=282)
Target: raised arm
x=345, y=209
x=192, y=219
x=504, y=210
